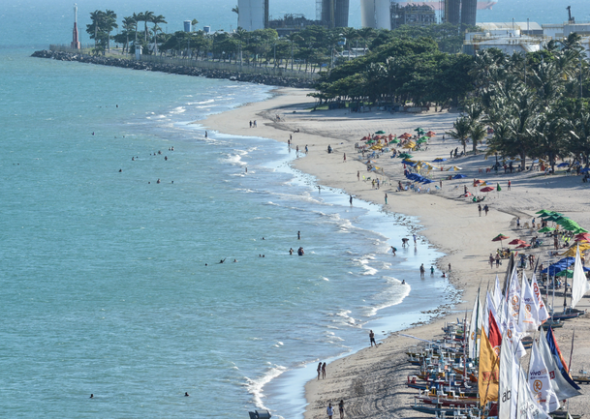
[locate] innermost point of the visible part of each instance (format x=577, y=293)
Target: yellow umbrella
x=571, y=252
x=410, y=145
x=454, y=168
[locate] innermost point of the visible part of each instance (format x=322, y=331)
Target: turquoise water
x=105, y=287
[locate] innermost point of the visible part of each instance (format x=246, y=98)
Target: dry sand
x=372, y=381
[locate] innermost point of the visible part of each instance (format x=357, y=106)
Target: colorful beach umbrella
x=380, y=132
x=566, y=272
x=517, y=241
x=499, y=238
x=487, y=189
x=439, y=159
x=431, y=133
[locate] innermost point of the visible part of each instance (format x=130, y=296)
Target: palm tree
x=156, y=20
x=462, y=128
x=478, y=133
x=147, y=17
x=110, y=22
x=97, y=18
x=129, y=24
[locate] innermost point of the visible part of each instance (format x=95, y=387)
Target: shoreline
x=450, y=224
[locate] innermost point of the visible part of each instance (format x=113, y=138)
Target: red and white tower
x=75, y=41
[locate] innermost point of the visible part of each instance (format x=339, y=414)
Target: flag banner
x=559, y=361
x=543, y=313
x=488, y=372
x=540, y=382
x=560, y=385
x=508, y=383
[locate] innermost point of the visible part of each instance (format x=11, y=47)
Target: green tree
x=461, y=131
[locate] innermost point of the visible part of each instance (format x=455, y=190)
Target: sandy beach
x=372, y=381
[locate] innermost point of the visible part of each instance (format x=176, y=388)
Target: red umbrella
x=522, y=246
x=487, y=189
x=499, y=238
x=517, y=241
x=431, y=134
x=583, y=236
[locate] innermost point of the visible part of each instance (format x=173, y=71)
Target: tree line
x=536, y=104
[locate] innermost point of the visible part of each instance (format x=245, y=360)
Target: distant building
x=291, y=23
x=511, y=37
x=333, y=13
x=253, y=14
x=376, y=14
x=188, y=26
x=413, y=15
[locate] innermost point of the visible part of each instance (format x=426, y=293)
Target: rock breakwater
x=188, y=70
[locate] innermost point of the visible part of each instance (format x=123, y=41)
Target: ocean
x=111, y=282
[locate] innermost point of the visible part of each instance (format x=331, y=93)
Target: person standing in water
x=319, y=370
x=372, y=338
x=350, y=200
x=324, y=370
x=299, y=235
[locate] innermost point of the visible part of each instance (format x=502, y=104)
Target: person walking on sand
x=486, y=209
x=491, y=261
x=344, y=158
x=479, y=209
x=324, y=370
x=250, y=124
x=372, y=338
x=358, y=175
x=319, y=370
x=330, y=411
x=341, y=409
x=385, y=198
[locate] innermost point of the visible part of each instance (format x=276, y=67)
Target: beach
x=372, y=381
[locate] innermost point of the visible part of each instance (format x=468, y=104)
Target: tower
x=333, y=13
x=253, y=14
x=75, y=40
x=468, y=12
x=453, y=11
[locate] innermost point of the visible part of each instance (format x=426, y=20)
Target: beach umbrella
x=421, y=141
x=431, y=133
x=454, y=168
x=410, y=145
x=583, y=236
x=517, y=241
x=487, y=189
x=544, y=212
x=523, y=246
x=459, y=176
x=563, y=164
x=566, y=272
x=439, y=159
x=394, y=141
x=580, y=230
x=546, y=229
x=498, y=188
x=419, y=130
x=404, y=156
x=499, y=238
x=406, y=135
x=554, y=218
x=380, y=132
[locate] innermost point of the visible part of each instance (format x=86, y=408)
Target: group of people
x=330, y=410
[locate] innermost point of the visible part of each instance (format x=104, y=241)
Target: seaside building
x=411, y=14
x=188, y=27
x=439, y=5
x=511, y=37
x=376, y=14
x=253, y=14
x=75, y=38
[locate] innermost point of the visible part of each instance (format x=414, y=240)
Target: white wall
x=251, y=15
x=376, y=14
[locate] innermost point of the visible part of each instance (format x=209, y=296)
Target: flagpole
x=569, y=366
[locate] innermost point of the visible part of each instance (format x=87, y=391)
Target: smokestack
x=75, y=40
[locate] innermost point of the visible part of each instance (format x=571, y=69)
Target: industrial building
x=333, y=13
x=253, y=14
x=411, y=14
x=376, y=14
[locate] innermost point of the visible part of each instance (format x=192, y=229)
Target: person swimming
x=300, y=251
x=186, y=394
x=92, y=396
x=222, y=260
x=403, y=282
x=158, y=181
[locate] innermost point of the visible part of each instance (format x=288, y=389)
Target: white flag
x=579, y=282
x=490, y=307
x=513, y=296
x=528, y=316
x=527, y=404
x=515, y=334
x=474, y=327
x=540, y=382
x=508, y=383
x=497, y=293
x=560, y=386
x=543, y=313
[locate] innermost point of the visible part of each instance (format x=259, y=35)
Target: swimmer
x=403, y=282
x=222, y=260
x=444, y=275
x=206, y=264
x=431, y=270
x=291, y=251
x=299, y=235
x=120, y=170
x=159, y=152
x=172, y=148
x=263, y=256
x=235, y=261
x=172, y=182
x=92, y=132
x=186, y=394
x=92, y=396
x=158, y=181
x=132, y=158
x=205, y=134
x=117, y=106
x=263, y=238
x=165, y=157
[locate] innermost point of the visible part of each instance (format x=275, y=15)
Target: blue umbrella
x=563, y=164
x=586, y=170
x=459, y=176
